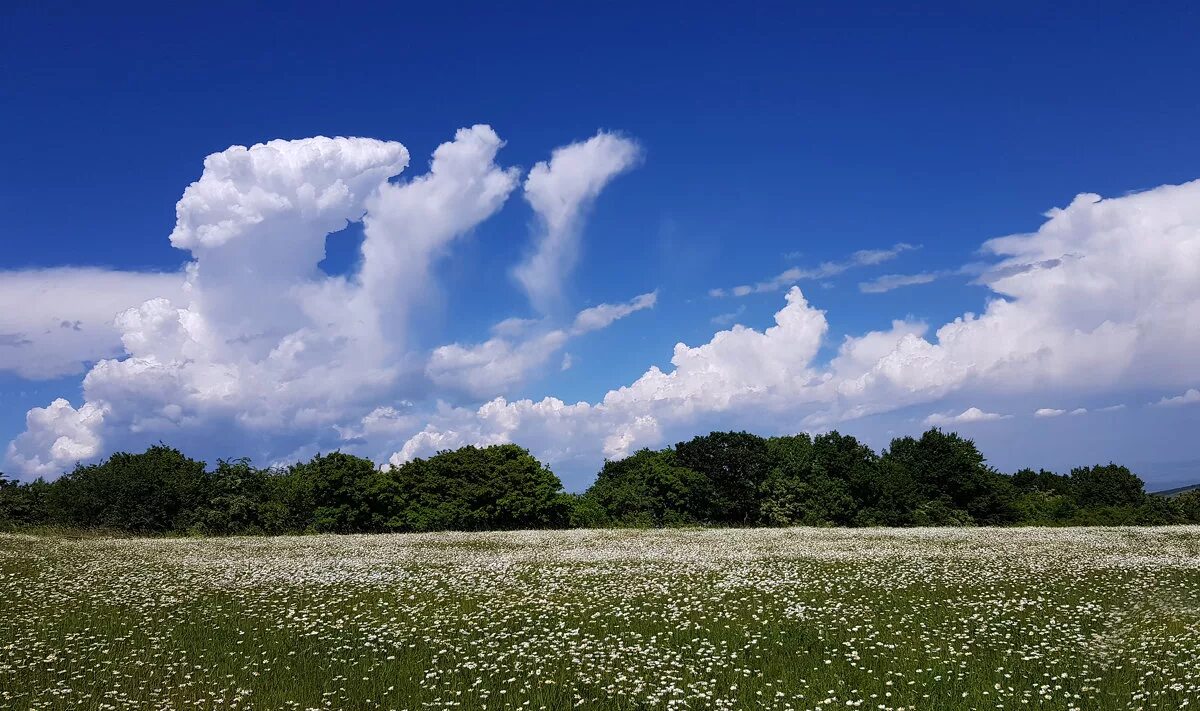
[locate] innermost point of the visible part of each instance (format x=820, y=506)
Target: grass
x=724, y=619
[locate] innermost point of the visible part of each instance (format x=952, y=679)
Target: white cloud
x=967, y=416
x=1051, y=412
x=560, y=192
x=1112, y=408
x=728, y=318
x=1189, y=397
x=861, y=258
x=737, y=368
x=56, y=437
x=602, y=316
x=888, y=282
x=490, y=368
x=260, y=340
x=1122, y=312
x=1105, y=296
x=56, y=320
x=409, y=225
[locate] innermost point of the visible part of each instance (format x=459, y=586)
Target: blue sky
x=767, y=139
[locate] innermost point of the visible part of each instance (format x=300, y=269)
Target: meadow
x=787, y=619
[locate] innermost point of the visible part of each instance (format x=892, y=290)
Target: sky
x=392, y=230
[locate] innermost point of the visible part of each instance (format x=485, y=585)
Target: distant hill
x=1176, y=491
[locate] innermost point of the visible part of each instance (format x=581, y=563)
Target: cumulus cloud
x=738, y=367
x=1104, y=296
x=408, y=225
x=60, y=319
x=57, y=436
x=253, y=340
x=259, y=339
x=560, y=192
x=1048, y=412
x=861, y=258
x=1189, y=397
x=484, y=369
x=1123, y=311
x=967, y=416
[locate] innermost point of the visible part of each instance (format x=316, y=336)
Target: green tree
x=735, y=464
x=1044, y=508
x=651, y=488
x=1027, y=480
x=1106, y=485
x=236, y=493
x=951, y=469
x=288, y=503
x=153, y=492
x=348, y=493
x=843, y=458
x=800, y=489
x=473, y=489
x=1188, y=504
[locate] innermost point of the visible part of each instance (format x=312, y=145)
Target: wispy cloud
x=786, y=278
x=887, y=282
x=519, y=348
x=983, y=274
x=728, y=318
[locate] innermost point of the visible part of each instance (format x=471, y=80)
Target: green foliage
x=236, y=491
x=475, y=489
x=585, y=512
x=152, y=492
x=1188, y=505
x=1027, y=480
x=722, y=478
x=345, y=493
x=24, y=505
x=940, y=512
x=1106, y=485
x=651, y=488
x=734, y=465
x=1044, y=508
x=944, y=467
x=806, y=483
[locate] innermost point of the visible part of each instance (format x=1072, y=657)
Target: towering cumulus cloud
x=259, y=339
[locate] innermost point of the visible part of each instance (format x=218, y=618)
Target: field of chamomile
x=678, y=619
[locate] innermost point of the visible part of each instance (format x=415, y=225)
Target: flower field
x=680, y=619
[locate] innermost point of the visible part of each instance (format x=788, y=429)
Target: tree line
x=722, y=478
